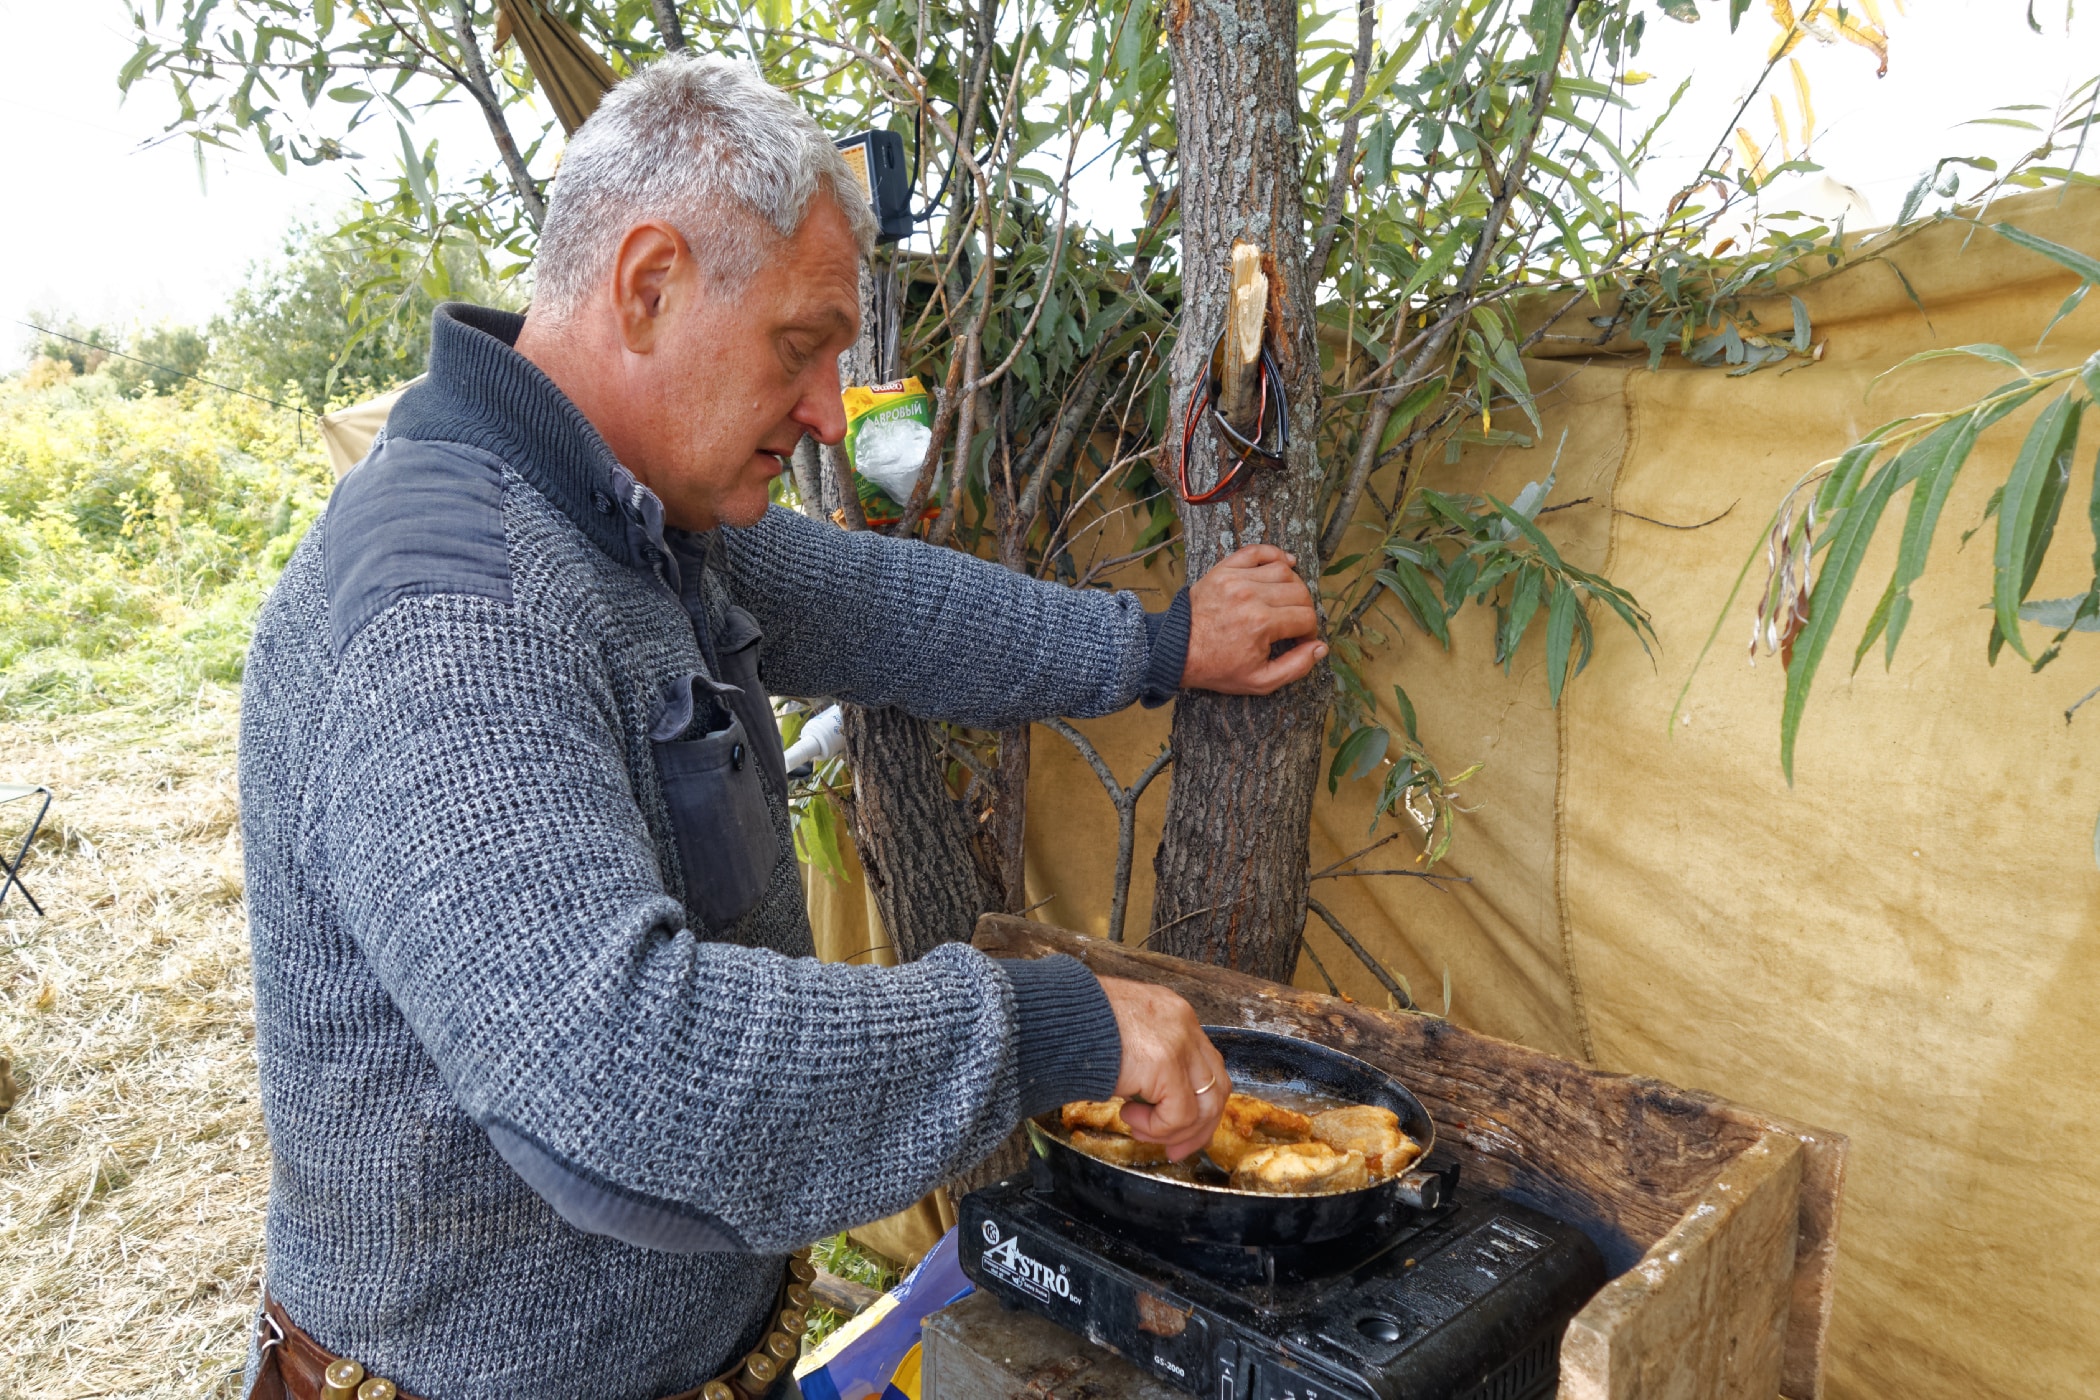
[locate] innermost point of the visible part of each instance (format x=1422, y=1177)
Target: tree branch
x=667, y=25
x=476, y=81
x=1126, y=802
x=1345, y=154
x=1363, y=954
x=1459, y=303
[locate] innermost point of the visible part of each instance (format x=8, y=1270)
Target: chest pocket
x=714, y=785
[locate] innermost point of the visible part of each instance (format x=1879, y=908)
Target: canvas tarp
x=1904, y=946
x=347, y=432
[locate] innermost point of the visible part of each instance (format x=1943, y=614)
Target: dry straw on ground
x=133, y=1171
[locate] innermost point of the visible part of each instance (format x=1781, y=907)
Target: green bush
x=289, y=330
x=138, y=536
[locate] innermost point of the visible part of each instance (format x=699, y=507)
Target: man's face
x=735, y=376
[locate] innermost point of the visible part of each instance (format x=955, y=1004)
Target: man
x=552, y=1081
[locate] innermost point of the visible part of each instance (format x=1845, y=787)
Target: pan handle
x=1424, y=1190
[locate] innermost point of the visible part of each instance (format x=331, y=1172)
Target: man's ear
x=653, y=280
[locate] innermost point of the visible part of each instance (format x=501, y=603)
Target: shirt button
x=736, y=757
x=602, y=501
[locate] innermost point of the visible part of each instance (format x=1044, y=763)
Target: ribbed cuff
x=1065, y=1037
x=1167, y=634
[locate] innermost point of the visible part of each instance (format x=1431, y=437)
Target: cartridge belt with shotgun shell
x=756, y=1372
x=293, y=1362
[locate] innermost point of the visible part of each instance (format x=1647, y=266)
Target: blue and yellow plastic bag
x=876, y=1355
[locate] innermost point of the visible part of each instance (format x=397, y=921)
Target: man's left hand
x=1249, y=601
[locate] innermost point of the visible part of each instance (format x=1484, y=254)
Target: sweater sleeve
x=493, y=864
x=882, y=621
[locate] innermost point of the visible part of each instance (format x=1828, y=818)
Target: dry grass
x=133, y=1171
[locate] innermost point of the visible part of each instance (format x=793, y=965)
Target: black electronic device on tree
x=877, y=160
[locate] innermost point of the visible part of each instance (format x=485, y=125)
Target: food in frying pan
x=1300, y=1169
x=1250, y=1123
x=1103, y=1116
x=1371, y=1130
x=1116, y=1148
x=1260, y=1145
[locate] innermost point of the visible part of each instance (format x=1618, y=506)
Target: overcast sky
x=102, y=225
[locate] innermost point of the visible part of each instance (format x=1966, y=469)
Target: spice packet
x=888, y=428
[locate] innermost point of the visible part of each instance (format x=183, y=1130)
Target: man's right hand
x=1166, y=1059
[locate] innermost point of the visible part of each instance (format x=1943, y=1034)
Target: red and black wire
x=1235, y=477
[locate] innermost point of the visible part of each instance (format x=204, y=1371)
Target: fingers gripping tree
x=1231, y=865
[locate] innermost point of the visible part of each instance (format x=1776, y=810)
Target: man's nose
x=819, y=410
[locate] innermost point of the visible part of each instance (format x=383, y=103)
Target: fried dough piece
x=1371, y=1130
x=1118, y=1150
x=1227, y=1147
x=1253, y=1117
x=1300, y=1169
x=1101, y=1115
x=1250, y=1123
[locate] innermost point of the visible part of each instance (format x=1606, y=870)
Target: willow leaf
x=2087, y=268
x=1407, y=583
x=1848, y=546
x=1523, y=606
x=1560, y=639
x=1941, y=457
x=1407, y=715
x=2027, y=516
x=1530, y=532
x=1997, y=354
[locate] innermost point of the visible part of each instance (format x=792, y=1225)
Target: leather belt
x=296, y=1367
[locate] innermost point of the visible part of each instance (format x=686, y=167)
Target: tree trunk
x=914, y=840
x=916, y=849
x=1232, y=861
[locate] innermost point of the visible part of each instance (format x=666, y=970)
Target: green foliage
x=1462, y=198
x=81, y=348
x=162, y=360
x=137, y=537
x=295, y=328
x=1924, y=453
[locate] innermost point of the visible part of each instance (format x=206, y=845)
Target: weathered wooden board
x=976, y=1350
x=1703, y=1315
x=1626, y=1158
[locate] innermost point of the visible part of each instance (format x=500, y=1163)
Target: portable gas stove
x=1464, y=1301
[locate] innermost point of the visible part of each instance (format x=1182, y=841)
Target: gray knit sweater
x=552, y=1081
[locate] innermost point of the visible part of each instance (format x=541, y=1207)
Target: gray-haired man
x=552, y=1082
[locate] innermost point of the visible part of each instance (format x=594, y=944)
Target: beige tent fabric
x=347, y=433
x=572, y=74
x=1904, y=947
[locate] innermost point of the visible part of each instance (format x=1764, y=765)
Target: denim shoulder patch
x=600, y=1208
x=415, y=519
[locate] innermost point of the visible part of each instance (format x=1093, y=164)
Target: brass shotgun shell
x=798, y=1297
x=377, y=1389
x=761, y=1368
x=340, y=1380
x=794, y=1321
x=800, y=1269
x=717, y=1390
x=782, y=1348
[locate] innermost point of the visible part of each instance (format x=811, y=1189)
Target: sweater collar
x=481, y=392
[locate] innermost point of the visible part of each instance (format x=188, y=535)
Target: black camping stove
x=1463, y=1302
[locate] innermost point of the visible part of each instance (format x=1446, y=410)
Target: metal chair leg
x=14, y=871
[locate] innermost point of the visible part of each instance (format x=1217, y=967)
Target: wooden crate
x=1718, y=1223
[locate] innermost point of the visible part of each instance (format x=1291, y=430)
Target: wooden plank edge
x=1655, y=1332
